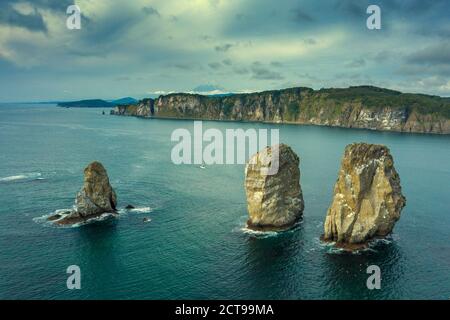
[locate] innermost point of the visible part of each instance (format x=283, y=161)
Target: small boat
x=146, y=220
x=202, y=166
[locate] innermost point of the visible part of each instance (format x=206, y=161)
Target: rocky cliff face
x=95, y=197
x=367, y=196
x=274, y=201
x=355, y=107
x=143, y=108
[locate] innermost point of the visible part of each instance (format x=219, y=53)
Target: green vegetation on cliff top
x=369, y=97
x=374, y=97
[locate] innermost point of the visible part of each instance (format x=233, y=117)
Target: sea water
x=194, y=244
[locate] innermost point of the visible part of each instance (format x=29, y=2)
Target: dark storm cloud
x=55, y=5
x=413, y=70
x=109, y=28
x=32, y=22
x=437, y=54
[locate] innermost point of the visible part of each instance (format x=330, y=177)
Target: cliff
x=355, y=107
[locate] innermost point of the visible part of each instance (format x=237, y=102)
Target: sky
x=141, y=48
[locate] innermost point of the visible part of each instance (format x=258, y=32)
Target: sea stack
x=274, y=199
x=95, y=198
x=367, y=197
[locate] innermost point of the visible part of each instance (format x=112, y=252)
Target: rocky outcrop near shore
x=143, y=108
x=95, y=198
x=274, y=201
x=367, y=197
x=364, y=107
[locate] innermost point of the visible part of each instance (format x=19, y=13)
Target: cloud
x=276, y=64
x=262, y=73
x=239, y=44
x=310, y=41
x=223, y=48
x=122, y=78
x=382, y=56
x=215, y=65
x=354, y=8
x=356, y=63
x=109, y=28
x=227, y=62
x=302, y=16
x=240, y=70
x=208, y=89
x=32, y=21
x=432, y=55
x=185, y=66
x=151, y=11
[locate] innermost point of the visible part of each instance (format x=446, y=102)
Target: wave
x=107, y=215
x=259, y=234
x=44, y=219
x=21, y=177
x=141, y=210
x=371, y=246
x=136, y=210
x=103, y=217
x=264, y=234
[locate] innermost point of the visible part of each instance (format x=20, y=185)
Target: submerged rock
x=274, y=202
x=95, y=198
x=367, y=196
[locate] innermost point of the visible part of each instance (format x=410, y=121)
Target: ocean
x=196, y=245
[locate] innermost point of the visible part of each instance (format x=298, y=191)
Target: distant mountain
x=97, y=103
x=126, y=100
x=92, y=103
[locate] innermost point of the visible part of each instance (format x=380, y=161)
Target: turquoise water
x=194, y=247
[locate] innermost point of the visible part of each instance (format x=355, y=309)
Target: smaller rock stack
x=95, y=198
x=367, y=196
x=274, y=201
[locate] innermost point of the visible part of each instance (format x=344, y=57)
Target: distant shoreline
x=363, y=107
